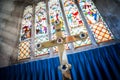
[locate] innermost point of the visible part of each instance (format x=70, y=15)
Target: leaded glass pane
x=24, y=50
x=76, y=25
x=94, y=19
x=41, y=27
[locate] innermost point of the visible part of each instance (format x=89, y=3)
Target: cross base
x=65, y=69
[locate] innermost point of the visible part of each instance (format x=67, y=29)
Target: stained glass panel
x=94, y=19
x=75, y=22
x=56, y=14
x=26, y=23
x=41, y=27
x=24, y=46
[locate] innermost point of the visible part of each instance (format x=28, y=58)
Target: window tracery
x=74, y=21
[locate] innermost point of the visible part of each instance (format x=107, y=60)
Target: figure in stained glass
x=56, y=15
x=41, y=27
x=26, y=25
x=75, y=22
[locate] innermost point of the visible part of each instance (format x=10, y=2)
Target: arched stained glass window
x=25, y=35
x=76, y=25
x=47, y=12
x=94, y=19
x=41, y=27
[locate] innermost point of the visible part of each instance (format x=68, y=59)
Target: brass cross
x=59, y=42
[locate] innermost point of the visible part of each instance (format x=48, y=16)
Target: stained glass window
x=24, y=46
x=41, y=27
x=56, y=14
x=72, y=23
x=76, y=25
x=94, y=19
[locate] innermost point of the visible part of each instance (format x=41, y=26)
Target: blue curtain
x=96, y=64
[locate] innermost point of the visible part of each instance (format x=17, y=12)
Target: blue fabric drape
x=96, y=64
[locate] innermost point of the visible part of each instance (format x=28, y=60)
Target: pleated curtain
x=96, y=64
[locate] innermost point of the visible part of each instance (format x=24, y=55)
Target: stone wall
x=9, y=29
x=10, y=17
